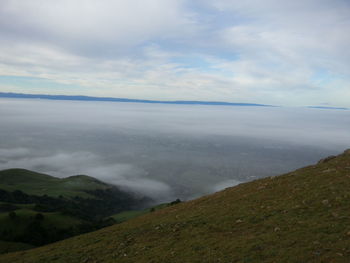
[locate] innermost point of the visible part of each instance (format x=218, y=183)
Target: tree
x=12, y=215
x=175, y=202
x=39, y=217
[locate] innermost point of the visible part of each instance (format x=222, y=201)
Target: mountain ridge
x=111, y=99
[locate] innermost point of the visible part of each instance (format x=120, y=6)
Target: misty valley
x=72, y=167
x=166, y=151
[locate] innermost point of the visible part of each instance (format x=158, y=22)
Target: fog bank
x=166, y=151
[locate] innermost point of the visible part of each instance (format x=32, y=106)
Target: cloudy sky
x=280, y=52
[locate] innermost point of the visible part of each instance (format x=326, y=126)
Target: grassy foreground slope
x=302, y=216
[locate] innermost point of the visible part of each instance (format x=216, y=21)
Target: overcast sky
x=278, y=52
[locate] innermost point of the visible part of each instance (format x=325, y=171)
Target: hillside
x=302, y=216
x=35, y=183
x=37, y=209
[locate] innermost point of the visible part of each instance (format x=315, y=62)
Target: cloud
x=284, y=46
x=93, y=26
x=65, y=164
x=13, y=153
x=273, y=52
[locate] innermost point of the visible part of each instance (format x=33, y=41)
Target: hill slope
x=302, y=216
x=38, y=209
x=35, y=183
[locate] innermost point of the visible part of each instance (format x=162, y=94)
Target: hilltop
x=34, y=183
x=301, y=216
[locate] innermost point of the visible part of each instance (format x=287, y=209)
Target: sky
x=280, y=52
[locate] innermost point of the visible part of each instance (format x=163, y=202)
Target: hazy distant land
x=89, y=98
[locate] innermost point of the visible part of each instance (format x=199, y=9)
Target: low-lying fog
x=166, y=151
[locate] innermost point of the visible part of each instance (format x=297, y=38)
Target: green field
x=302, y=216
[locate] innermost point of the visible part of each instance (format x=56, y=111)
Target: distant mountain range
x=180, y=102
x=328, y=108
x=88, y=98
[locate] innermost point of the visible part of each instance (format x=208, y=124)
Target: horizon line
x=114, y=99
x=15, y=95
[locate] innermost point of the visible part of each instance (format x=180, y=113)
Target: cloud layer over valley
x=166, y=151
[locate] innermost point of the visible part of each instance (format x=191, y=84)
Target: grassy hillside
x=41, y=184
x=302, y=216
x=38, y=209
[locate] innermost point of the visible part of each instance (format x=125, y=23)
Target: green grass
x=302, y=216
x=41, y=184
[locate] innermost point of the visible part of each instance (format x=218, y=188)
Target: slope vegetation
x=302, y=216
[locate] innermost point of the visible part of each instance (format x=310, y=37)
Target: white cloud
x=13, y=153
x=282, y=46
x=90, y=23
